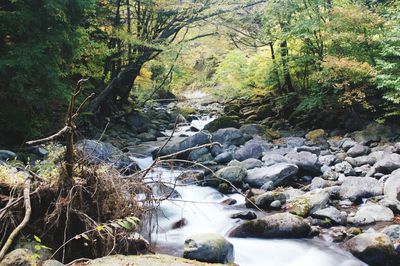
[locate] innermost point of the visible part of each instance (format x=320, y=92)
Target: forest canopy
x=311, y=58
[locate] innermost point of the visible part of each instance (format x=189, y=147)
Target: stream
x=202, y=211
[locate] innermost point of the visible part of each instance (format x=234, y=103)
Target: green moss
x=223, y=122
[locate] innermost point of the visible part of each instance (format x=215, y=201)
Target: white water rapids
x=203, y=213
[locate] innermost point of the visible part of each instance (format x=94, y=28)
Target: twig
x=28, y=210
x=56, y=135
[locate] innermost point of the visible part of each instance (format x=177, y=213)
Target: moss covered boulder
x=223, y=122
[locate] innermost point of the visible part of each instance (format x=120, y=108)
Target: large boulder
x=280, y=225
x=358, y=150
x=223, y=122
x=372, y=133
x=264, y=200
x=332, y=214
x=212, y=248
x=252, y=149
x=392, y=186
x=6, y=155
x=355, y=188
x=233, y=174
x=273, y=158
x=228, y=136
x=224, y=157
x=277, y=174
x=252, y=163
x=253, y=129
x=197, y=139
x=375, y=249
x=393, y=232
x=145, y=260
x=19, y=257
x=371, y=213
x=306, y=161
x=96, y=152
x=308, y=203
x=388, y=163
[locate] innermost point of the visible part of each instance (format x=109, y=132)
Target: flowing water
x=200, y=210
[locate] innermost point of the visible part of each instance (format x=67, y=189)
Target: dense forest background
x=318, y=62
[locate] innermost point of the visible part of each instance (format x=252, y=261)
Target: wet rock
x=211, y=248
x=233, y=174
x=306, y=161
x=195, y=155
x=252, y=149
x=161, y=190
x=272, y=158
x=7, y=155
x=223, y=122
x=229, y=202
x=96, y=152
x=278, y=174
x=332, y=214
x=375, y=249
x=252, y=129
x=19, y=257
x=311, y=149
x=264, y=200
x=280, y=225
x=228, y=136
x=308, y=203
x=392, y=186
x=191, y=177
x=354, y=188
x=224, y=157
x=245, y=215
x=197, y=139
x=371, y=213
x=252, y=163
x=393, y=232
x=358, y=150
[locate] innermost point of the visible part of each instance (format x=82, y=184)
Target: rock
x=191, y=177
x=264, y=200
x=280, y=225
x=372, y=133
x=96, y=152
x=344, y=168
x=354, y=188
x=228, y=136
x=276, y=204
x=160, y=190
x=252, y=163
x=278, y=174
x=52, y=263
x=376, y=249
x=229, y=202
x=245, y=215
x=19, y=257
x=358, y=150
x=211, y=248
x=292, y=142
x=328, y=160
x=306, y=161
x=223, y=122
x=330, y=175
x=318, y=182
x=347, y=144
x=233, y=174
x=388, y=163
x=272, y=158
x=308, y=203
x=145, y=260
x=393, y=232
x=147, y=136
x=315, y=134
x=252, y=129
x=371, y=213
x=392, y=186
x=361, y=160
x=197, y=139
x=7, y=155
x=312, y=149
x=138, y=121
x=196, y=154
x=252, y=149
x=224, y=157
x=332, y=214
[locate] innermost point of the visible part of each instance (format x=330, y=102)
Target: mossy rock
x=272, y=134
x=186, y=111
x=232, y=109
x=223, y=122
x=264, y=111
x=315, y=135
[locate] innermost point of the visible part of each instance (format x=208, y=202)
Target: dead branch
x=50, y=138
x=28, y=210
x=189, y=149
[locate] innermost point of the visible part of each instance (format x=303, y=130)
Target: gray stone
x=293, y=142
x=211, y=248
x=160, y=190
x=347, y=144
x=392, y=186
x=374, y=132
x=245, y=215
x=306, y=161
x=96, y=152
x=308, y=203
x=252, y=149
x=330, y=175
x=233, y=174
x=272, y=158
x=197, y=139
x=276, y=204
x=371, y=213
x=252, y=129
x=388, y=163
x=52, y=263
x=361, y=160
x=196, y=154
x=19, y=257
x=228, y=136
x=264, y=200
x=344, y=168
x=354, y=188
x=328, y=160
x=318, y=182
x=280, y=225
x=278, y=174
x=252, y=163
x=224, y=157
x=375, y=249
x=393, y=232
x=313, y=149
x=358, y=150
x=331, y=213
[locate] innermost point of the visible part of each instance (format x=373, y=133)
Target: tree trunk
x=275, y=66
x=285, y=67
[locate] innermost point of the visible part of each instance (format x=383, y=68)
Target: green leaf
x=37, y=239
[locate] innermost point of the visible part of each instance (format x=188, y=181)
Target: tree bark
x=285, y=66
